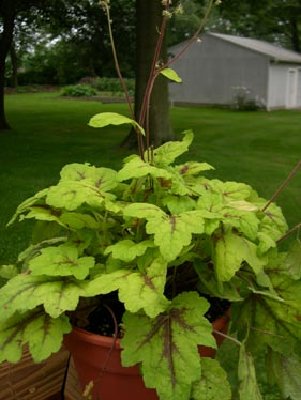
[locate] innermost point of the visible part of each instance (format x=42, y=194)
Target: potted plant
x=138, y=255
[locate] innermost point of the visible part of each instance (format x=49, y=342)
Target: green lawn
x=48, y=131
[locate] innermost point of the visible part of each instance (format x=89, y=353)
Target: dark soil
x=106, y=318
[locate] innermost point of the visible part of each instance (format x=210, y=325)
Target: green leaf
x=286, y=372
x=43, y=334
x=111, y=118
x=246, y=222
x=143, y=210
x=78, y=221
x=61, y=261
x=25, y=292
x=42, y=212
x=71, y=195
x=242, y=205
x=35, y=249
x=169, y=151
x=271, y=320
x=104, y=179
x=229, y=253
x=231, y=191
x=208, y=284
x=213, y=384
x=293, y=261
x=179, y=204
x=127, y=250
x=193, y=168
x=273, y=223
x=171, y=74
x=24, y=206
x=137, y=290
x=171, y=232
x=137, y=168
x=166, y=346
x=8, y=271
x=82, y=184
x=248, y=389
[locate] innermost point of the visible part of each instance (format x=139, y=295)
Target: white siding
x=212, y=69
x=299, y=88
x=284, y=86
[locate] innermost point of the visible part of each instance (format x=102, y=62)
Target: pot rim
x=106, y=341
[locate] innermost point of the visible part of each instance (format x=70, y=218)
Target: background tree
x=273, y=20
x=7, y=17
x=77, y=24
x=148, y=24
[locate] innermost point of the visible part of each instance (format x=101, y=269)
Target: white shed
x=219, y=67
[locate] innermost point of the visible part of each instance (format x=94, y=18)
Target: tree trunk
x=7, y=13
x=14, y=62
x=148, y=21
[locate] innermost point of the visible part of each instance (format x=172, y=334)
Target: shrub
x=244, y=100
x=78, y=91
x=112, y=84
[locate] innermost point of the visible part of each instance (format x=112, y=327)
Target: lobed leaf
x=248, y=388
x=137, y=290
x=166, y=346
x=213, y=384
x=25, y=205
x=193, y=168
x=293, y=261
x=104, y=179
x=61, y=261
x=70, y=195
x=274, y=318
x=25, y=292
x=286, y=371
x=127, y=250
x=8, y=271
x=229, y=253
x=169, y=151
x=137, y=168
x=42, y=333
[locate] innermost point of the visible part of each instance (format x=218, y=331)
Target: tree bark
x=148, y=21
x=7, y=13
x=14, y=62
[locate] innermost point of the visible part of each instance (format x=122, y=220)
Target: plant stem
x=227, y=337
x=106, y=8
x=283, y=185
x=292, y=230
x=195, y=36
x=144, y=111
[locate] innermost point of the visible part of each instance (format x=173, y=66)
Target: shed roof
x=274, y=52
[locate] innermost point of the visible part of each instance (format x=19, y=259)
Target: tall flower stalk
x=157, y=66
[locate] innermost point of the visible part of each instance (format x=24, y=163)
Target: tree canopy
x=273, y=20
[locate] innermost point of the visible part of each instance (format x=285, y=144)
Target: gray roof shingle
x=274, y=52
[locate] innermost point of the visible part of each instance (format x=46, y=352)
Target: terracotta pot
x=97, y=358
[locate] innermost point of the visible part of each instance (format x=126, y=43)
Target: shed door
x=292, y=88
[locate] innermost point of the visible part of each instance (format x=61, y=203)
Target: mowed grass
x=259, y=148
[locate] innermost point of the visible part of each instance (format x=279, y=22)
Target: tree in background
x=73, y=41
x=148, y=24
x=78, y=29
x=7, y=15
x=272, y=20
